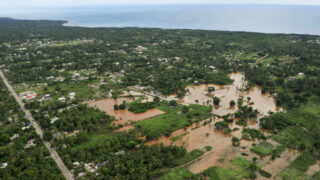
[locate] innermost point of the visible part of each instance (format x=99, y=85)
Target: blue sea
x=252, y=18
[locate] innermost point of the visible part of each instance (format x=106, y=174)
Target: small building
x=3, y=165
x=29, y=144
x=81, y=174
x=76, y=163
x=140, y=48
x=32, y=96
x=46, y=96
x=54, y=119
x=120, y=153
x=62, y=99
x=14, y=136
x=72, y=95
x=177, y=58
x=26, y=127
x=50, y=78
x=28, y=95
x=75, y=75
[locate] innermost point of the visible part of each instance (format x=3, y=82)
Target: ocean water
x=252, y=18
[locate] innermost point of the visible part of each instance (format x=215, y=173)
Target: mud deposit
x=123, y=117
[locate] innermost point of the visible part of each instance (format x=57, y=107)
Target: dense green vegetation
x=76, y=118
x=263, y=149
x=252, y=134
x=178, y=174
x=189, y=157
x=22, y=161
x=141, y=107
x=121, y=155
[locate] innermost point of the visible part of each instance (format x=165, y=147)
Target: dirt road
x=65, y=171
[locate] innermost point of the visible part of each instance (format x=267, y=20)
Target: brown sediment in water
x=125, y=128
x=206, y=135
x=226, y=93
x=123, y=116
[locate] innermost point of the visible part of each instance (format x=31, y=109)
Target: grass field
x=263, y=149
x=177, y=174
x=303, y=136
x=239, y=168
x=308, y=115
x=172, y=120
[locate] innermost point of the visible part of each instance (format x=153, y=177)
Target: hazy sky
x=36, y=3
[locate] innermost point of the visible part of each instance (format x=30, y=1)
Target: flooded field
x=198, y=136
x=123, y=117
x=199, y=94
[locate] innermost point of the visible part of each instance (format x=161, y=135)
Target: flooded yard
x=125, y=116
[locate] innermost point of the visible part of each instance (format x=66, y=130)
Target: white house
x=72, y=95
x=14, y=136
x=3, y=165
x=62, y=99
x=54, y=119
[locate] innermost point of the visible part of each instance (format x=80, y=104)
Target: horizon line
x=157, y=4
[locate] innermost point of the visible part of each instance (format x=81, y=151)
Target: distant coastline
x=283, y=19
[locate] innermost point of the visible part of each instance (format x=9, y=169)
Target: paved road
x=67, y=174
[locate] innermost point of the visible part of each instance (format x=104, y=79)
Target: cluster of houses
x=70, y=96
x=28, y=95
x=89, y=167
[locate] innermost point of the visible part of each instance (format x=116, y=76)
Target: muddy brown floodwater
x=198, y=136
x=123, y=117
x=262, y=102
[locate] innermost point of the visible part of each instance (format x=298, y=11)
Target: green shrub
x=265, y=173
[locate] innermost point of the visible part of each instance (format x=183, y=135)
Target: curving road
x=65, y=171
